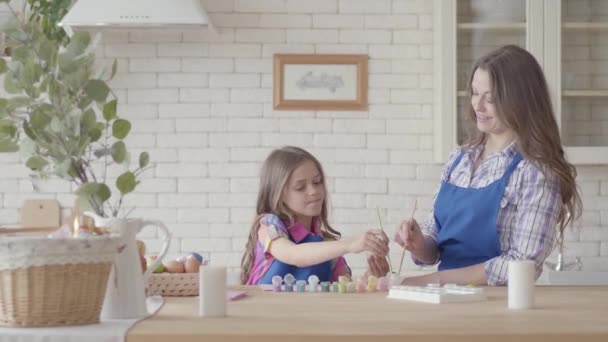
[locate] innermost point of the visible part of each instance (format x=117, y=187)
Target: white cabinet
x=569, y=38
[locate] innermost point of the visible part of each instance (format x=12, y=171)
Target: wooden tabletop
x=578, y=314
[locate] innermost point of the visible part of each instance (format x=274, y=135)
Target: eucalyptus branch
x=139, y=171
x=105, y=157
x=117, y=209
x=22, y=26
x=59, y=124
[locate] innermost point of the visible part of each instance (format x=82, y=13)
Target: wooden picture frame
x=320, y=82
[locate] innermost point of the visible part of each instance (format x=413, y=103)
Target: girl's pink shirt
x=272, y=228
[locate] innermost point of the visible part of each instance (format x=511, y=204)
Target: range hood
x=136, y=14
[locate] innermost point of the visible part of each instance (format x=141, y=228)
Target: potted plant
x=60, y=113
x=59, y=110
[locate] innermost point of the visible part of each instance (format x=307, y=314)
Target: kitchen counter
x=561, y=313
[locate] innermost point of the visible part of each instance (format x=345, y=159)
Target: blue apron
x=322, y=270
x=466, y=220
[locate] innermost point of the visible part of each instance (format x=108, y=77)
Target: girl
x=503, y=192
x=290, y=233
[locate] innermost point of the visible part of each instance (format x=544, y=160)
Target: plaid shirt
x=528, y=210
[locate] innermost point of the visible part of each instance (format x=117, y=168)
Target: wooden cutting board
x=38, y=213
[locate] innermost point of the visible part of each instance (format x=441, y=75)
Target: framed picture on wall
x=320, y=82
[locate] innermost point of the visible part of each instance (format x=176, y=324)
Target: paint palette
x=433, y=293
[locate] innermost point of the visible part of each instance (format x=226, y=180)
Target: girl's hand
x=373, y=241
x=377, y=266
x=409, y=236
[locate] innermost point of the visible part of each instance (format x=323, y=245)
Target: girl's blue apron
x=466, y=220
x=322, y=270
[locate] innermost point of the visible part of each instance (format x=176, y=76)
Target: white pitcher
x=125, y=294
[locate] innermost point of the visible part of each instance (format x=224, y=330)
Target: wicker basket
x=173, y=284
x=51, y=282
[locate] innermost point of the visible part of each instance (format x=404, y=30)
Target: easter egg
x=174, y=266
x=143, y=263
x=198, y=257
x=192, y=264
x=141, y=247
x=159, y=269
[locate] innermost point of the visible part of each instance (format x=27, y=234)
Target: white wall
x=201, y=104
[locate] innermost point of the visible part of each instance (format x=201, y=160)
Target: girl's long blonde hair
x=276, y=171
x=522, y=102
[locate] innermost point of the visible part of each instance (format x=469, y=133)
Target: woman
x=504, y=191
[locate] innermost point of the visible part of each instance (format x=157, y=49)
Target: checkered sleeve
x=533, y=231
x=271, y=228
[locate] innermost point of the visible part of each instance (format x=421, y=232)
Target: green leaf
x=144, y=159
x=109, y=110
x=36, y=163
x=23, y=54
x=28, y=130
x=119, y=152
x=126, y=182
x=8, y=136
x=88, y=119
x=19, y=102
x=103, y=192
x=102, y=152
x=97, y=89
x=84, y=102
x=62, y=168
x=95, y=133
x=66, y=63
x=31, y=74
x=78, y=43
x=83, y=142
x=48, y=49
x=11, y=85
x=94, y=192
x=8, y=128
x=39, y=119
x=114, y=68
x=121, y=128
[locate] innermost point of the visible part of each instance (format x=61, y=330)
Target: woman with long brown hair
x=506, y=189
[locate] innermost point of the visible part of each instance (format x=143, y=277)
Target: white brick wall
x=201, y=104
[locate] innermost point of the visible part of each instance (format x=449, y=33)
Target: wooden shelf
x=492, y=26
x=585, y=93
x=571, y=25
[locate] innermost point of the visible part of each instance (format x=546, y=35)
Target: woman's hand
x=409, y=236
x=374, y=241
x=377, y=266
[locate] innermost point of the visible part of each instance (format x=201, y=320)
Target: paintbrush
x=411, y=219
x=382, y=228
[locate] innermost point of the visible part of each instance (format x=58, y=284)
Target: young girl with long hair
x=290, y=233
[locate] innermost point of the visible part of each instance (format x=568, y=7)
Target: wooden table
x=578, y=314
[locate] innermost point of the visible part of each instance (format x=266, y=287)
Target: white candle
x=521, y=284
x=212, y=291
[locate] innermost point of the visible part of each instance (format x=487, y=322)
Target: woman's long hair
x=522, y=102
x=277, y=169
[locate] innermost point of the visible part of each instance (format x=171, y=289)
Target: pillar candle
x=521, y=284
x=212, y=291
